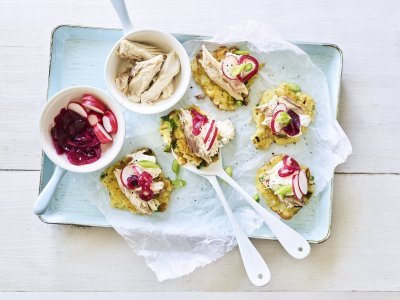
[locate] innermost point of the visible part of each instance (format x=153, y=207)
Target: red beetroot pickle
x=132, y=182
x=73, y=135
x=145, y=179
x=198, y=120
x=146, y=194
x=294, y=126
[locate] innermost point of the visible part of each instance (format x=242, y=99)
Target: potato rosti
x=283, y=192
x=195, y=137
x=282, y=116
x=127, y=191
x=225, y=93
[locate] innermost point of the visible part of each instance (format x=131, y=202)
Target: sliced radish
x=137, y=171
x=296, y=188
x=92, y=103
x=286, y=171
x=127, y=172
x=103, y=136
x=291, y=162
x=227, y=64
x=280, y=107
x=247, y=75
x=94, y=118
x=209, y=131
x=110, y=122
x=303, y=182
x=275, y=126
x=78, y=108
x=213, y=138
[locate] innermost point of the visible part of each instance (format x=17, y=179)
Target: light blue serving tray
x=77, y=57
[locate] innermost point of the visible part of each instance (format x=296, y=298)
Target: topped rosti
x=285, y=185
x=225, y=75
x=194, y=136
x=136, y=183
x=282, y=116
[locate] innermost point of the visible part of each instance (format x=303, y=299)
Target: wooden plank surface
x=362, y=253
x=367, y=33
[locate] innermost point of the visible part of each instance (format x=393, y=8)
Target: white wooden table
x=363, y=252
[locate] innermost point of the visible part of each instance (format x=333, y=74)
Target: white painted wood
x=363, y=251
x=367, y=33
x=361, y=254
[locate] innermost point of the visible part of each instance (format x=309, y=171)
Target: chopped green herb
x=284, y=190
x=148, y=164
x=283, y=118
x=256, y=197
x=248, y=67
x=167, y=148
x=178, y=183
x=166, y=125
x=239, y=103
x=229, y=171
x=242, y=52
x=173, y=124
x=294, y=87
x=240, y=68
x=175, y=167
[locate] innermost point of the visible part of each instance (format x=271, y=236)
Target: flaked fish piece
x=169, y=70
x=268, y=107
x=212, y=67
x=196, y=143
x=193, y=145
x=123, y=78
x=168, y=90
x=142, y=76
x=144, y=207
x=137, y=51
x=122, y=81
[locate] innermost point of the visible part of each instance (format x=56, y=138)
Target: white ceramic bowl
x=165, y=42
x=52, y=109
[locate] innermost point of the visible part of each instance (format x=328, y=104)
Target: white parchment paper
x=194, y=230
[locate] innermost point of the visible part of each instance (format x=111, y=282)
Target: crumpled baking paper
x=194, y=230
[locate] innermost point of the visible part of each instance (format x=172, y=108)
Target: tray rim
x=325, y=44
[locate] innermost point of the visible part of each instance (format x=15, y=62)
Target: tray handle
x=122, y=12
x=46, y=195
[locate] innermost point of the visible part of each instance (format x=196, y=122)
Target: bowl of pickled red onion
x=82, y=129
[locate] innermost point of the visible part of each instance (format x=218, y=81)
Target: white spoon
x=293, y=242
x=43, y=200
x=255, y=266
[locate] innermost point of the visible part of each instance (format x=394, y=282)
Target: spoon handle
x=255, y=266
x=293, y=242
x=46, y=195
x=122, y=12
